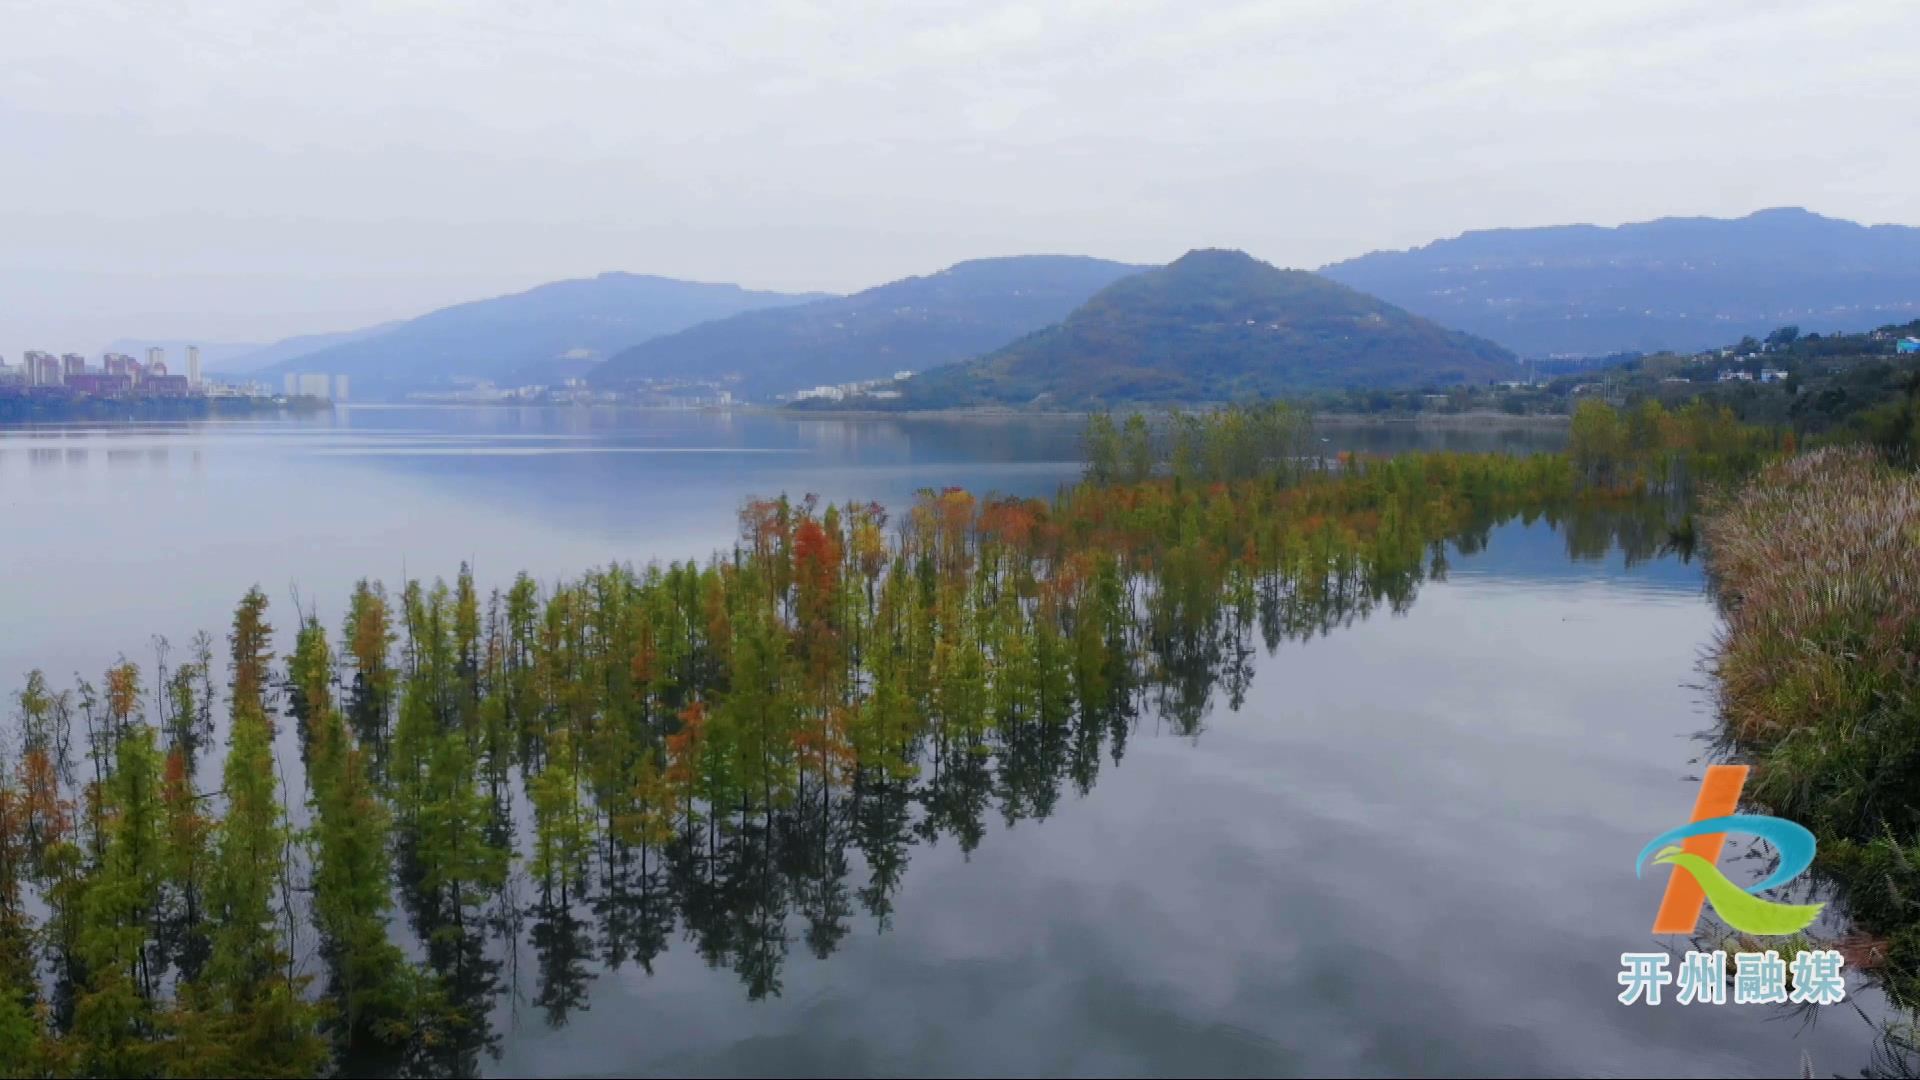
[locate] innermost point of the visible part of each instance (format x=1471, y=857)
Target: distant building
x=193, y=366
x=126, y=366
x=292, y=381
x=100, y=383
x=314, y=384
x=156, y=355
x=43, y=368
x=339, y=388
x=1908, y=345
x=1736, y=376
x=165, y=385
x=72, y=364
x=1772, y=375
x=902, y=376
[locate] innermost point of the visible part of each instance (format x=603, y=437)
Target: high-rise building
x=292, y=382
x=72, y=364
x=156, y=355
x=126, y=366
x=314, y=384
x=43, y=368
x=339, y=388
x=193, y=366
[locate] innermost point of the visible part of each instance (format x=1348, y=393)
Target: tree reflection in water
x=735, y=754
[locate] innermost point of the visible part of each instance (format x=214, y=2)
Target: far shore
x=1481, y=418
x=1476, y=418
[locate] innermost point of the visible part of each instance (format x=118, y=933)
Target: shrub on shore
x=1817, y=565
x=1817, y=562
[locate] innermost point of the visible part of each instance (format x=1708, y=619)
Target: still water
x=1408, y=849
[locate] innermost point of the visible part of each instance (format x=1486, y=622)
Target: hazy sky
x=248, y=169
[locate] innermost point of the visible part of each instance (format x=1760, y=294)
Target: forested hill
x=912, y=324
x=560, y=327
x=1215, y=325
x=1683, y=284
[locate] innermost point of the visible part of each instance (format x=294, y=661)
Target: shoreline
x=1478, y=418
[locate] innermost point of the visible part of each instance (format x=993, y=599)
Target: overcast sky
x=248, y=169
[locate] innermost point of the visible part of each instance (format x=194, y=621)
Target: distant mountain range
x=556, y=329
x=1676, y=283
x=912, y=324
x=1212, y=326
x=1679, y=283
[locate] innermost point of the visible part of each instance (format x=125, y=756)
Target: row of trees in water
x=695, y=746
x=1649, y=447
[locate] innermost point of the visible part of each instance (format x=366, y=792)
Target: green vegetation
x=1840, y=387
x=692, y=750
x=1215, y=326
x=1671, y=451
x=1819, y=670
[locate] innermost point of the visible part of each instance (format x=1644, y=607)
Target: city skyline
x=119, y=375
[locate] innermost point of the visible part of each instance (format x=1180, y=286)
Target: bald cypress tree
x=251, y=641
x=248, y=1011
x=22, y=1034
x=561, y=833
x=370, y=982
x=113, y=1027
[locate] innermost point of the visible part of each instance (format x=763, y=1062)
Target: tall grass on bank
x=1816, y=560
x=1817, y=563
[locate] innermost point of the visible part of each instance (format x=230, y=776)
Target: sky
x=244, y=170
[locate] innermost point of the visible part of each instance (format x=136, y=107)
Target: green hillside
x=1216, y=325
x=913, y=324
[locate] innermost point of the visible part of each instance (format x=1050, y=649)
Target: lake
x=1402, y=846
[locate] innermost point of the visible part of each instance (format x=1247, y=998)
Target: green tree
x=349, y=835
x=253, y=1017
x=561, y=837
x=113, y=1019
x=251, y=642
x=1101, y=445
x=1596, y=443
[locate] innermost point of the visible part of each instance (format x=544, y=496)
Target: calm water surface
x=1408, y=850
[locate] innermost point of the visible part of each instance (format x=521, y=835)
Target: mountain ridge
x=524, y=334
x=1682, y=283
x=1214, y=325
x=913, y=323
